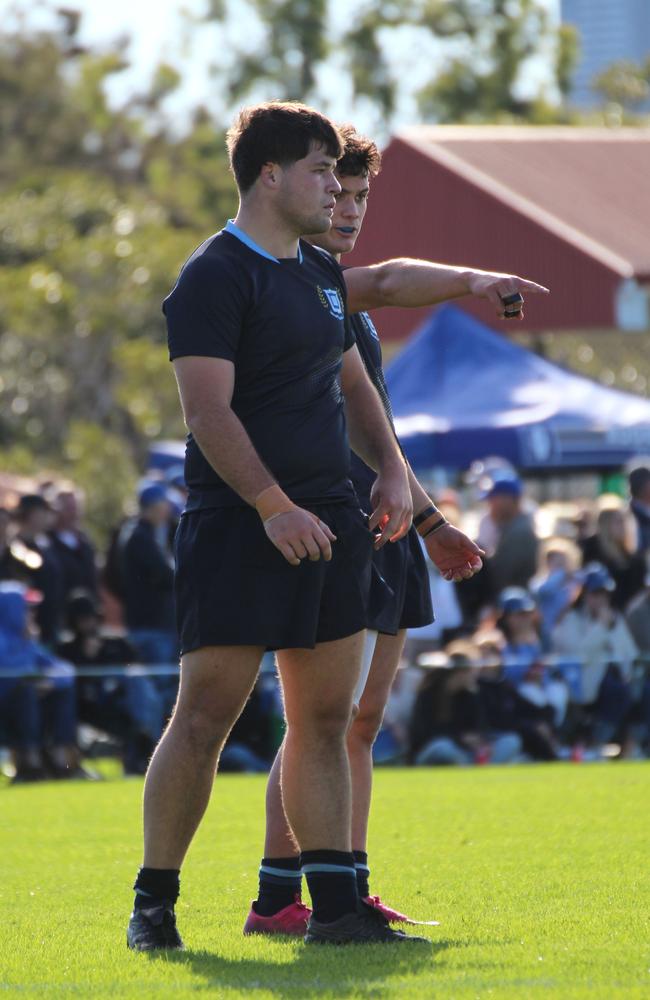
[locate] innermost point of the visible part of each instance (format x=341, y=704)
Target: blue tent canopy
x=461, y=392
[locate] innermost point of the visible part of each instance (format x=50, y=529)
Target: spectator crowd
x=542, y=656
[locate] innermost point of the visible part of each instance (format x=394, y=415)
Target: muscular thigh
x=320, y=680
x=218, y=679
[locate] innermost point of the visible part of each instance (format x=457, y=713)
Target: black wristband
x=436, y=527
x=424, y=515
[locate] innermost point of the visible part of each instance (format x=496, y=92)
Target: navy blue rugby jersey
x=370, y=350
x=284, y=326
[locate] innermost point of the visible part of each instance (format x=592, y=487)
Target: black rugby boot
x=154, y=929
x=365, y=926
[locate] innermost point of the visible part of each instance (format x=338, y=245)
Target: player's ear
x=269, y=175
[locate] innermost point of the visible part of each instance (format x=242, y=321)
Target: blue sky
x=157, y=33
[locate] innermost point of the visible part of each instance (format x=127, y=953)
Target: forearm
x=420, y=497
x=370, y=433
x=407, y=282
x=227, y=447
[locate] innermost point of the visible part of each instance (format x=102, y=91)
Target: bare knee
x=203, y=727
x=324, y=722
x=365, y=727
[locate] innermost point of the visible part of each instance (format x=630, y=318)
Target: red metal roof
x=590, y=186
x=567, y=207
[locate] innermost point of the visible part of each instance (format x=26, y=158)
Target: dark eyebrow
x=329, y=162
x=345, y=190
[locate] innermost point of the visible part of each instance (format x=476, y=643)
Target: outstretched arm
x=409, y=282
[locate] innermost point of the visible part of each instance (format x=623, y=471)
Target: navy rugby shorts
x=234, y=588
x=400, y=594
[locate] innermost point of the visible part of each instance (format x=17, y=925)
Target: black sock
x=332, y=883
x=363, y=873
x=156, y=885
x=280, y=884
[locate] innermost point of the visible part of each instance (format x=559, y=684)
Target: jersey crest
x=331, y=299
x=372, y=330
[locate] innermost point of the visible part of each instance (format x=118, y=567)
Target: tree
x=625, y=83
x=483, y=46
x=99, y=208
x=483, y=83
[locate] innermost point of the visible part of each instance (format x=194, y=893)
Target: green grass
x=539, y=876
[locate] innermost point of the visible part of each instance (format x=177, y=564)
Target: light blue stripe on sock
x=362, y=868
x=289, y=873
x=309, y=869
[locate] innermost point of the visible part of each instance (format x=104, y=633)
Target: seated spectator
x=594, y=633
x=447, y=726
x=519, y=623
x=612, y=547
x=72, y=547
x=509, y=709
x=35, y=563
x=105, y=701
x=556, y=586
x=42, y=688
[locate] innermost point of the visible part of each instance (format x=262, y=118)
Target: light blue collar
x=234, y=230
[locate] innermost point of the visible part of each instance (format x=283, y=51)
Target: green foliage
x=625, y=83
x=295, y=43
x=481, y=84
x=99, y=207
x=485, y=46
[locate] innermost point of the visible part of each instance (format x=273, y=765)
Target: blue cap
x=501, y=485
x=515, y=599
x=151, y=494
x=595, y=576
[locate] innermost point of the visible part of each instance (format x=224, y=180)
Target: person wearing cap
x=449, y=725
x=596, y=635
x=507, y=534
x=147, y=575
x=639, y=483
x=519, y=622
x=555, y=587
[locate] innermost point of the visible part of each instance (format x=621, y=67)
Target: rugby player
x=407, y=603
x=272, y=550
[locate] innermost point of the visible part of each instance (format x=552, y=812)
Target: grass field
x=539, y=876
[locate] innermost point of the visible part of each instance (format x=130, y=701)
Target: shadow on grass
x=361, y=970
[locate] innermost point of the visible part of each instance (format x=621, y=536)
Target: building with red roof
x=568, y=207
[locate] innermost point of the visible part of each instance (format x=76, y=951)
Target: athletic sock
x=363, y=873
x=280, y=884
x=156, y=885
x=332, y=883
